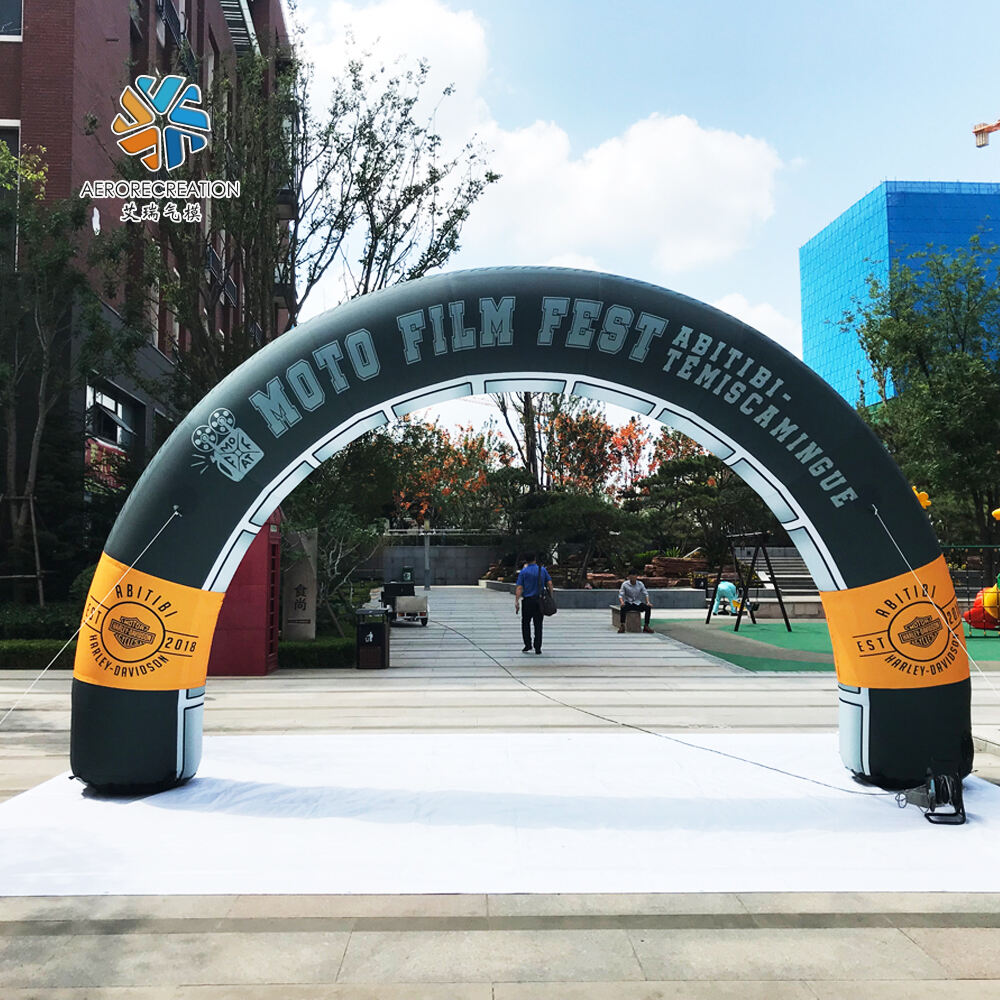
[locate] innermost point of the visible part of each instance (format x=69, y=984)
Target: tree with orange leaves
x=445, y=479
x=581, y=458
x=630, y=450
x=672, y=444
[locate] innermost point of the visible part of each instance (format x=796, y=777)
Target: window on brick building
x=110, y=418
x=10, y=17
x=211, y=63
x=169, y=327
x=9, y=137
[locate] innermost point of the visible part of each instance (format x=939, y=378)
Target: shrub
x=28, y=621
x=641, y=558
x=325, y=651
x=80, y=586
x=35, y=654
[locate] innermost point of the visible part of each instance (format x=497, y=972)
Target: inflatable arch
x=138, y=687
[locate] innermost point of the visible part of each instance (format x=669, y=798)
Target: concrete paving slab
x=793, y=954
x=965, y=953
x=871, y=902
x=478, y=956
x=675, y=990
x=86, y=908
x=284, y=991
x=171, y=959
x=363, y=907
x=441, y=681
x=618, y=904
x=979, y=989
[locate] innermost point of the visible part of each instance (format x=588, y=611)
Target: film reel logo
x=225, y=446
x=186, y=126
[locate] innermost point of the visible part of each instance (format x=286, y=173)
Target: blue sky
x=695, y=145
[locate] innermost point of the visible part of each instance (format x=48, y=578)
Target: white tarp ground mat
x=447, y=813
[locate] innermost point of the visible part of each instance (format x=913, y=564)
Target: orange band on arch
x=143, y=633
x=898, y=633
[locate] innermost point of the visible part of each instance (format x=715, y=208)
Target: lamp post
x=427, y=555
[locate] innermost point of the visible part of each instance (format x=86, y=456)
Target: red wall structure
x=246, y=638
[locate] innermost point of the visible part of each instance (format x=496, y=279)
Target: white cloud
x=402, y=32
x=763, y=317
x=664, y=196
x=580, y=261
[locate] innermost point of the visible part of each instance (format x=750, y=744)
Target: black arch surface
x=631, y=373
x=262, y=430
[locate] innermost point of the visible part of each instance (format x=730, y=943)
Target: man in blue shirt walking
x=528, y=597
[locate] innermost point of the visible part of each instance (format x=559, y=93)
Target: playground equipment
x=985, y=611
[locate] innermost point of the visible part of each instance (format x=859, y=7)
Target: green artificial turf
x=767, y=646
x=749, y=648
x=983, y=649
x=759, y=663
x=806, y=637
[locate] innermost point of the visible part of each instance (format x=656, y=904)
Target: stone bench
x=633, y=619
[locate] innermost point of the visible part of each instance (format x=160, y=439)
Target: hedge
x=28, y=621
x=323, y=651
x=35, y=654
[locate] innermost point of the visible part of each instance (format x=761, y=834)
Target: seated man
x=633, y=596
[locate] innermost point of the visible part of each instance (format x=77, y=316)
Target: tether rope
x=923, y=590
x=663, y=736
x=176, y=513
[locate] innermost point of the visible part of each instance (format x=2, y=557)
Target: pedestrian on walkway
x=528, y=598
x=633, y=596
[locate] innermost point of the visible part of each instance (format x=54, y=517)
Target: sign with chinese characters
x=162, y=123
x=298, y=591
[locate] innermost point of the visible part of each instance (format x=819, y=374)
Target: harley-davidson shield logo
x=922, y=631
x=131, y=633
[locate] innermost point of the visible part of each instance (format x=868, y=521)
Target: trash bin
x=372, y=644
x=407, y=575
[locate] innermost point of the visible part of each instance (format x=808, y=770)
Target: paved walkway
x=507, y=947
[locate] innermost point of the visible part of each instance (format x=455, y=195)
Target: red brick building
x=63, y=66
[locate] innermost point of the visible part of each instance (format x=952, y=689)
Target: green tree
x=348, y=500
x=694, y=500
x=599, y=527
x=361, y=188
x=932, y=335
x=53, y=337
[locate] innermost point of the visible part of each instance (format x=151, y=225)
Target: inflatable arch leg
x=139, y=676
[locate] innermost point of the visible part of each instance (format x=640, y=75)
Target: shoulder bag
x=547, y=598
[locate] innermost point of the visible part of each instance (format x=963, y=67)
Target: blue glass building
x=889, y=223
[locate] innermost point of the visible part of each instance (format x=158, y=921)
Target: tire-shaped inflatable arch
x=139, y=675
